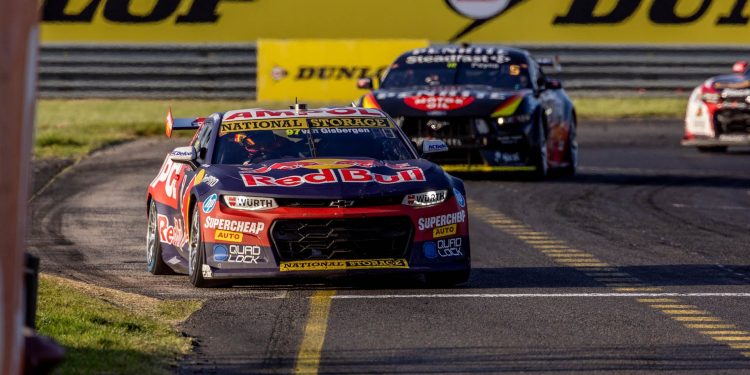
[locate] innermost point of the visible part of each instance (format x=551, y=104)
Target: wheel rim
x=151, y=236
x=194, y=243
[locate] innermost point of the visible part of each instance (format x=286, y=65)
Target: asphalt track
x=640, y=264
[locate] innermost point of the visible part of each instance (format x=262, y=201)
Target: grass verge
x=630, y=108
x=109, y=331
x=75, y=128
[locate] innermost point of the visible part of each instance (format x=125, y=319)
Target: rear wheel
x=450, y=278
x=713, y=149
x=154, y=259
x=196, y=253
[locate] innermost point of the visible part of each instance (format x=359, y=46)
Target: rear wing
x=554, y=62
x=182, y=123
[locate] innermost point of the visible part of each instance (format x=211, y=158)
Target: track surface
x=561, y=270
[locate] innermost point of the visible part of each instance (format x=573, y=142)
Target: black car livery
x=493, y=106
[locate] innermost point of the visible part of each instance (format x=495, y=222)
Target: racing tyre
x=713, y=149
x=444, y=279
x=154, y=259
x=571, y=155
x=539, y=154
x=196, y=253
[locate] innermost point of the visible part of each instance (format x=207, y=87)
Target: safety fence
x=228, y=71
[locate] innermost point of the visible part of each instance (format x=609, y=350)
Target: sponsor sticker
x=449, y=247
x=249, y=227
x=221, y=253
x=425, y=223
x=329, y=265
x=210, y=181
x=248, y=254
x=210, y=203
x=328, y=176
x=335, y=122
x=429, y=250
x=438, y=103
x=174, y=235
x=459, y=198
x=228, y=236
x=444, y=231
x=240, y=202
x=275, y=124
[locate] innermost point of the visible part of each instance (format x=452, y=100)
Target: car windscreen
x=513, y=75
x=245, y=146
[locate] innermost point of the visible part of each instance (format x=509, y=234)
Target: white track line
x=539, y=295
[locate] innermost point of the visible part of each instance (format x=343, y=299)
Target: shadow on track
x=515, y=278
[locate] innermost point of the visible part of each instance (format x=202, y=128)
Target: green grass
x=75, y=128
x=630, y=107
x=107, y=331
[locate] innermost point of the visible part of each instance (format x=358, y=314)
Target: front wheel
x=154, y=260
x=196, y=253
x=539, y=153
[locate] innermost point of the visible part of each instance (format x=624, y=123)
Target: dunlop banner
x=499, y=21
x=323, y=69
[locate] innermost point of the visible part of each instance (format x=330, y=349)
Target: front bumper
x=437, y=241
x=476, y=144
x=721, y=141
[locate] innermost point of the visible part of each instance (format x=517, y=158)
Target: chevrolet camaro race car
x=261, y=193
x=718, y=112
x=493, y=106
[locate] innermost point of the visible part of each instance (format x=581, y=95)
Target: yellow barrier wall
x=327, y=69
x=508, y=21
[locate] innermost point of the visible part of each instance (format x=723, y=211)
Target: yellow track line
x=308, y=357
x=612, y=277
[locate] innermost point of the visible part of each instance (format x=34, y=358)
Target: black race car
x=493, y=106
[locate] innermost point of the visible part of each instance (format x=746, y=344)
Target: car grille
x=322, y=203
x=456, y=132
x=365, y=238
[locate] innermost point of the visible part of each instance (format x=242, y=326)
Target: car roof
x=268, y=114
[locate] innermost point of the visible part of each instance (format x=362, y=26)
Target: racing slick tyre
x=539, y=153
x=450, y=278
x=571, y=154
x=154, y=259
x=196, y=253
x=713, y=149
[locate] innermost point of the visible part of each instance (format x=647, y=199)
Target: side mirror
x=740, y=67
x=431, y=146
x=365, y=83
x=554, y=84
x=184, y=155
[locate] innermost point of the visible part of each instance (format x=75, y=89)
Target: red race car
x=262, y=193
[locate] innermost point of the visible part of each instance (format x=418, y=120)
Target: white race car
x=718, y=112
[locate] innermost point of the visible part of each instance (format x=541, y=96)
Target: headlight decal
x=241, y=202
